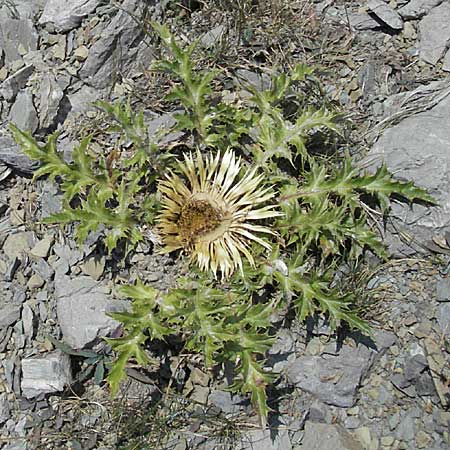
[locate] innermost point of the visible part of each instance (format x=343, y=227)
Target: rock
x=282, y=352
x=18, y=244
x=416, y=9
x=212, y=37
x=362, y=21
x=50, y=96
x=23, y=114
x=385, y=13
x=81, y=53
x=273, y=439
x=50, y=373
x=406, y=429
x=117, y=47
x=43, y=268
x=224, y=401
x=17, y=37
x=9, y=314
x=11, y=155
x=423, y=440
x=5, y=409
x=335, y=379
x=414, y=367
x=446, y=62
x=443, y=317
x=320, y=436
x=82, y=100
x=35, y=282
x=159, y=128
x=12, y=85
x=42, y=247
x=434, y=33
x=416, y=149
x=67, y=14
x=94, y=266
x=81, y=309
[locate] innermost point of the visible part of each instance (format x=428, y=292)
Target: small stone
x=9, y=314
x=81, y=53
x=435, y=33
x=363, y=436
x=23, y=113
x=387, y=441
x=18, y=244
x=394, y=350
x=385, y=13
x=50, y=96
x=94, y=266
x=5, y=409
x=406, y=429
x=353, y=411
x=3, y=73
x=35, y=282
x=50, y=373
x=320, y=436
x=446, y=68
x=423, y=440
x=12, y=85
x=42, y=247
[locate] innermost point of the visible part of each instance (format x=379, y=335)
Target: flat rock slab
x=417, y=149
x=81, y=308
x=50, y=373
x=323, y=436
x=265, y=440
x=17, y=36
x=386, y=14
x=434, y=31
x=335, y=377
x=117, y=46
x=416, y=9
x=67, y=14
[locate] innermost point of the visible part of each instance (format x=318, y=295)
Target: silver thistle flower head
x=210, y=215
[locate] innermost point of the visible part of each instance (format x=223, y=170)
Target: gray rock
x=362, y=21
x=414, y=367
x=416, y=149
x=282, y=352
x=434, y=33
x=16, y=445
x=443, y=290
x=81, y=308
x=82, y=100
x=11, y=155
x=12, y=85
x=17, y=36
x=334, y=379
x=117, y=47
x=67, y=14
x=50, y=373
x=273, y=439
x=50, y=96
x=212, y=37
x=159, y=128
x=416, y=9
x=23, y=113
x=9, y=314
x=443, y=317
x=385, y=13
x=406, y=429
x=18, y=244
x=446, y=62
x=224, y=401
x=28, y=321
x=50, y=199
x=5, y=409
x=43, y=269
x=320, y=436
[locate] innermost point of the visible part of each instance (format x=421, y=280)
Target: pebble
x=42, y=247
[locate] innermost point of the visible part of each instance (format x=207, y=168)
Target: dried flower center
x=198, y=218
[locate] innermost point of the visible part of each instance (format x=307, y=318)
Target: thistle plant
x=264, y=223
